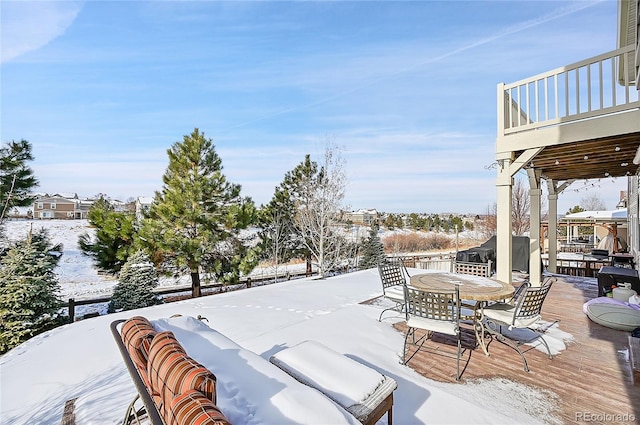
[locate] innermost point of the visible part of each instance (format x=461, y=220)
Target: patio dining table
x=472, y=288
x=475, y=288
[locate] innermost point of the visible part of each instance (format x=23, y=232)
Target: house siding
x=54, y=208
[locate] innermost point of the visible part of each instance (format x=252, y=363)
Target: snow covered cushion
x=395, y=293
x=503, y=312
x=250, y=389
x=348, y=382
x=362, y=391
x=612, y=313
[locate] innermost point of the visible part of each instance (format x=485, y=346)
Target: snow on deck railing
x=585, y=89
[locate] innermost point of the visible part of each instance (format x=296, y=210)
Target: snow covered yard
x=76, y=274
x=81, y=359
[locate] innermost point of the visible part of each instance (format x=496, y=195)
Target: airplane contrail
x=509, y=30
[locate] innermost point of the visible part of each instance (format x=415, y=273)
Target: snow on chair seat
x=359, y=389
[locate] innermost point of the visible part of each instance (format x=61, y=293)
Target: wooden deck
x=592, y=377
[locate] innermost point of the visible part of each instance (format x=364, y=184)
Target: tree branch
x=6, y=203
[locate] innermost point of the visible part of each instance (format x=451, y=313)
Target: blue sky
x=408, y=90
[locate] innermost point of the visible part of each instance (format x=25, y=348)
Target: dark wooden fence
x=409, y=260
x=244, y=283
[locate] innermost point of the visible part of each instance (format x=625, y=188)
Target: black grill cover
x=486, y=254
x=519, y=250
x=468, y=256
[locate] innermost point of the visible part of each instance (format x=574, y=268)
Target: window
x=40, y=206
x=53, y=205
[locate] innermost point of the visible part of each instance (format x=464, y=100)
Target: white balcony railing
x=586, y=89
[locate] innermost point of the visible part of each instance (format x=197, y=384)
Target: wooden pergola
x=588, y=159
x=576, y=122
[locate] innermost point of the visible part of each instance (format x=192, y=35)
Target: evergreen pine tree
x=372, y=249
x=16, y=178
x=194, y=222
x=28, y=291
x=134, y=290
x=115, y=237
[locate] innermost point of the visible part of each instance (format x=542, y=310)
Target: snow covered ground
x=76, y=274
x=78, y=277
x=82, y=360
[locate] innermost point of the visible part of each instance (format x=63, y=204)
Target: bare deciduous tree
x=317, y=219
x=593, y=202
x=277, y=234
x=520, y=207
x=490, y=224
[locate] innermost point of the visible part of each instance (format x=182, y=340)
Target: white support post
x=553, y=233
x=504, y=222
x=554, y=191
x=508, y=166
x=535, y=193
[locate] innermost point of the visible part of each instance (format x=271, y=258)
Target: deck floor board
x=592, y=376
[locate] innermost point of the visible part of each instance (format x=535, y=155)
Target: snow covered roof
x=144, y=200
x=56, y=199
x=66, y=195
x=612, y=215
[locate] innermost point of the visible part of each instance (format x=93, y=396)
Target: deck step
x=634, y=358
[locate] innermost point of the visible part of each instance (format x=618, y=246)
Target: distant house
x=54, y=207
x=118, y=206
x=143, y=204
x=365, y=217
x=60, y=207
x=82, y=208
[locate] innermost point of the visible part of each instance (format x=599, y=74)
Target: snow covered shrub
x=137, y=279
x=371, y=250
x=28, y=290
